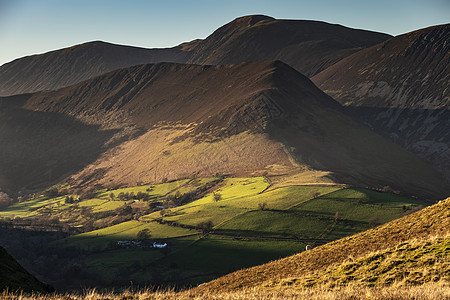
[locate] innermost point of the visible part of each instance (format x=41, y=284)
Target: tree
x=205, y=227
x=217, y=197
x=5, y=200
x=144, y=234
x=126, y=210
x=51, y=192
x=69, y=200
x=314, y=193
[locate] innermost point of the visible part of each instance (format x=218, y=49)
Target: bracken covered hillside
x=202, y=120
x=401, y=88
x=71, y=65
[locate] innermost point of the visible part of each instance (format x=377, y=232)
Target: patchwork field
x=212, y=226
x=230, y=216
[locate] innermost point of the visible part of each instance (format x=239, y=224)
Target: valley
x=273, y=158
x=203, y=221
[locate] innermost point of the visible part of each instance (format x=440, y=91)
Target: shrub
x=144, y=234
x=314, y=193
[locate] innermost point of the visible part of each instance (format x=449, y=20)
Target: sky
x=37, y=26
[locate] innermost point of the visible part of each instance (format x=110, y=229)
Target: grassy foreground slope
x=433, y=221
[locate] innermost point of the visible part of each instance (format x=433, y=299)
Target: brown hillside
x=431, y=221
x=307, y=46
x=71, y=65
x=401, y=89
x=244, y=118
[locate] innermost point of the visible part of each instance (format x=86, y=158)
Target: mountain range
x=295, y=103
x=308, y=46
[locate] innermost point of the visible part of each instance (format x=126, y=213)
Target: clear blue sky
x=37, y=26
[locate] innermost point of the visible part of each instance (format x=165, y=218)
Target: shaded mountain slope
x=430, y=225
x=401, y=89
x=39, y=148
x=71, y=65
x=13, y=277
x=307, y=46
x=238, y=119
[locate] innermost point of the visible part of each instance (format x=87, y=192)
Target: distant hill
x=13, y=277
x=400, y=88
x=188, y=120
x=71, y=65
x=414, y=249
x=307, y=46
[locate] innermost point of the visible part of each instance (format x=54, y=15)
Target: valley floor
x=212, y=226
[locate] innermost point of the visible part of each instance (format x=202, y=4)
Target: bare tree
x=314, y=193
x=262, y=206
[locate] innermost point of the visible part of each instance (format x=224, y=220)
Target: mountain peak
x=252, y=19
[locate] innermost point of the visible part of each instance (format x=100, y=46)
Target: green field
x=250, y=224
x=279, y=223
x=102, y=238
x=222, y=255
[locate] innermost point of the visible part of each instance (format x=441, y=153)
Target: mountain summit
x=307, y=46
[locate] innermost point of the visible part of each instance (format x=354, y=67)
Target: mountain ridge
x=245, y=38
x=262, y=113
x=73, y=64
x=400, y=88
x=237, y=41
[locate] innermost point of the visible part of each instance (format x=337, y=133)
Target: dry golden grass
x=433, y=291
x=415, y=247
x=411, y=263
x=431, y=221
x=152, y=157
